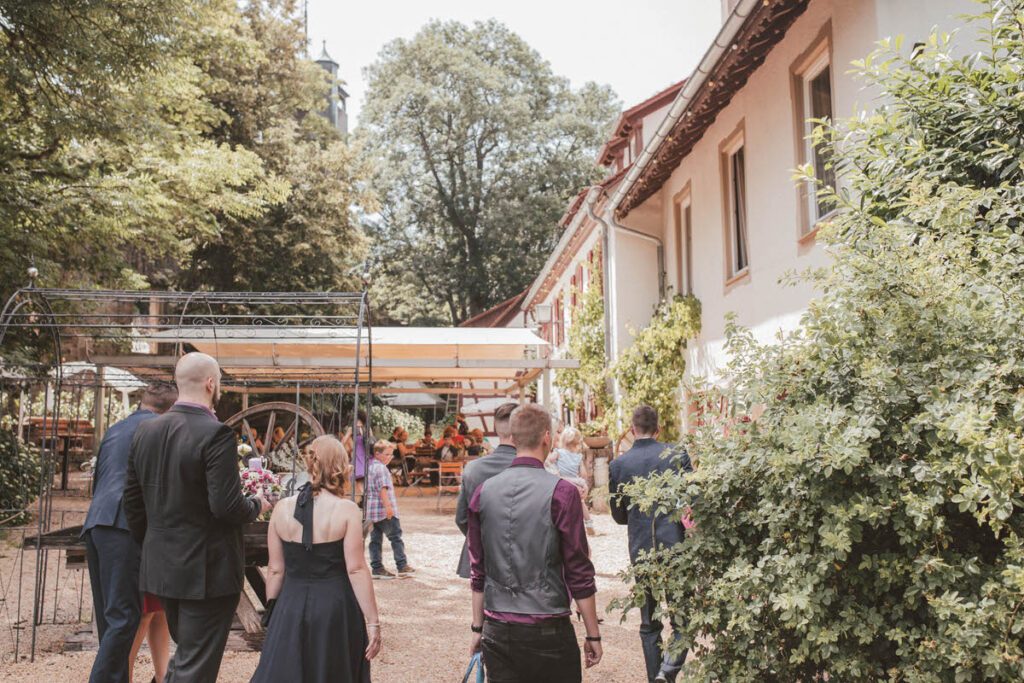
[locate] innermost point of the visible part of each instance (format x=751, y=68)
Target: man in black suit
x=110, y=550
x=184, y=505
x=479, y=471
x=646, y=531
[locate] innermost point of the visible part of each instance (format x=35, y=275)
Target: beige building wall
x=763, y=113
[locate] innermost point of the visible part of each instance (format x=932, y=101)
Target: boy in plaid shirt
x=382, y=512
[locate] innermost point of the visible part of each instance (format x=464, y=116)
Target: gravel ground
x=426, y=618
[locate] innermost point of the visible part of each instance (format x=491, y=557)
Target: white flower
x=244, y=449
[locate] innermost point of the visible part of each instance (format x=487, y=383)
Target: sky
x=638, y=47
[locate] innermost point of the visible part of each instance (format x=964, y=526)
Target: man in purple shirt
x=528, y=557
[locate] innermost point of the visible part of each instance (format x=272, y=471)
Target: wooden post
x=98, y=404
x=245, y=401
x=546, y=388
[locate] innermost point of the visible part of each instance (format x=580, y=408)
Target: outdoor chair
x=449, y=479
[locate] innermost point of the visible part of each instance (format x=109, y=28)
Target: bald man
x=184, y=505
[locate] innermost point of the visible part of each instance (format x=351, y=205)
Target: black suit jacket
x=184, y=504
x=476, y=473
x=644, y=530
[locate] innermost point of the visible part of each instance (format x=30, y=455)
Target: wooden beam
x=277, y=363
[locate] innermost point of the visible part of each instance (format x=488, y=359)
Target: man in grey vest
x=648, y=531
x=528, y=557
x=479, y=471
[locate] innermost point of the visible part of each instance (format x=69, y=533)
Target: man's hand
x=264, y=504
x=474, y=644
x=593, y=652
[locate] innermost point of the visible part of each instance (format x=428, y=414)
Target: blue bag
x=475, y=662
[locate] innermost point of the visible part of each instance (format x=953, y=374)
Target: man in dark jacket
x=646, y=531
x=110, y=550
x=479, y=471
x=184, y=504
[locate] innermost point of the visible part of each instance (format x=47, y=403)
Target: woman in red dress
x=153, y=628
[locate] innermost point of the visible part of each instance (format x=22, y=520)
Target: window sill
x=737, y=279
x=810, y=237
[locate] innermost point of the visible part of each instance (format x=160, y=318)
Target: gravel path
x=426, y=618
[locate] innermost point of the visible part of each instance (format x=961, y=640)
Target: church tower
x=335, y=111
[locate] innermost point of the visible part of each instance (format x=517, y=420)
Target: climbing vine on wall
x=587, y=385
x=651, y=370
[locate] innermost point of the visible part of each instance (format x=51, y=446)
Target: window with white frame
x=816, y=83
x=684, y=244
x=734, y=158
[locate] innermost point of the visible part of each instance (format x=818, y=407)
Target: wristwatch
x=476, y=629
x=594, y=639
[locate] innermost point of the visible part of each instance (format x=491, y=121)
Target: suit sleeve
x=618, y=501
x=462, y=506
x=131, y=500
x=224, y=489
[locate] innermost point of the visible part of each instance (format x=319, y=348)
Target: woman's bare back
x=331, y=518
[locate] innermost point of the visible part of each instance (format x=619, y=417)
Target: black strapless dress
x=317, y=632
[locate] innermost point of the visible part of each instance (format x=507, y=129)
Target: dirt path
x=426, y=618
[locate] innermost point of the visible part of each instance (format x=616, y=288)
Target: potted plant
x=595, y=434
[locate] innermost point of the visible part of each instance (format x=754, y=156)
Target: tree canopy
x=867, y=525
x=171, y=143
x=479, y=147
x=104, y=159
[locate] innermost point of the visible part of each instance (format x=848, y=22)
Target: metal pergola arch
x=78, y=324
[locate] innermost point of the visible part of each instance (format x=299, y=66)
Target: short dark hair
x=503, y=416
x=645, y=420
x=159, y=396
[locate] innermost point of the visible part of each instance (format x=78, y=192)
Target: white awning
x=508, y=356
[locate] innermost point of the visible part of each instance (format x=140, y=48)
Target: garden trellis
x=63, y=349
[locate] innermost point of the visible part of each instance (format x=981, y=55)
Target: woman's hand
x=373, y=633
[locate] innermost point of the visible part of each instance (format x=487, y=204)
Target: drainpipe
x=609, y=227
x=723, y=41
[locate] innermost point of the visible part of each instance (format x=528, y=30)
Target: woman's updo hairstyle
x=328, y=465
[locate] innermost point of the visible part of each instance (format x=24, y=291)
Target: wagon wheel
x=277, y=413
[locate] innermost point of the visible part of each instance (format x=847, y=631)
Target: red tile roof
x=496, y=316
x=632, y=116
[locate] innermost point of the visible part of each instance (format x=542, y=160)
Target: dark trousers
x=391, y=528
x=113, y=558
x=545, y=653
x=200, y=632
x=657, y=658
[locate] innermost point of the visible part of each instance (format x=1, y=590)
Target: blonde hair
x=328, y=465
x=572, y=439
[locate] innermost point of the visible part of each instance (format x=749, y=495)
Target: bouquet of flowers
x=261, y=482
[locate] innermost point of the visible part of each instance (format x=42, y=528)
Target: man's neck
x=535, y=454
x=637, y=437
x=506, y=442
x=197, y=400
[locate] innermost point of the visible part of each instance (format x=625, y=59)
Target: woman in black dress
x=323, y=623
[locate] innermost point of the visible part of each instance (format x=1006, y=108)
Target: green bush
x=19, y=476
x=868, y=524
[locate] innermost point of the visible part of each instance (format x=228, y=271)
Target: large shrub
x=868, y=523
x=20, y=472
